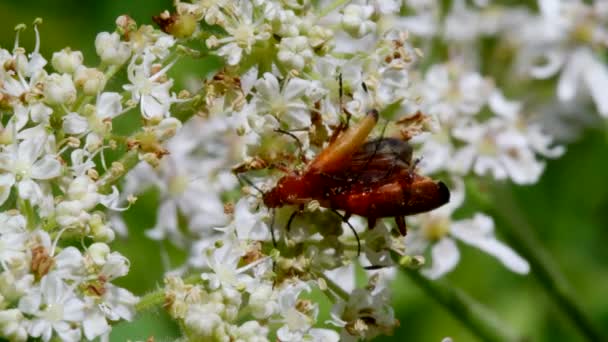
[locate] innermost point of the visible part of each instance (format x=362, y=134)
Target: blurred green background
x=568, y=209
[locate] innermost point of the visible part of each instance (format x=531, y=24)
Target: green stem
x=477, y=318
x=520, y=233
x=151, y=300
x=129, y=160
x=157, y=297
x=335, y=288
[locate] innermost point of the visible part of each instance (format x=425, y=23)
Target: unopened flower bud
x=66, y=60
x=355, y=20
x=295, y=52
x=167, y=128
x=412, y=261
x=90, y=80
x=59, y=89
x=98, y=252
x=319, y=37
x=125, y=24
x=178, y=25
x=11, y=327
x=152, y=159
x=110, y=49
x=117, y=168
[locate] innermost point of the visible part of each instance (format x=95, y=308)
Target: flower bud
x=90, y=80
x=59, y=89
x=102, y=233
x=84, y=190
x=295, y=52
x=98, y=252
x=167, y=128
x=355, y=20
x=67, y=61
x=320, y=39
x=110, y=49
x=10, y=325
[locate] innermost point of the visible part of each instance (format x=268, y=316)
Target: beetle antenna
x=345, y=220
x=298, y=142
x=243, y=179
x=374, y=267
x=274, y=239
x=364, y=87
x=341, y=98
x=293, y=215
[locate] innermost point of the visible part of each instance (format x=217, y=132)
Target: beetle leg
x=293, y=215
x=345, y=219
x=298, y=142
x=371, y=222
x=401, y=225
x=346, y=216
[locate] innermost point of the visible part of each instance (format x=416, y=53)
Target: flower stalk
x=518, y=230
x=477, y=318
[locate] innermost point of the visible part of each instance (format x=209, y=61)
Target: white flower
x=449, y=91
x=13, y=236
x=583, y=69
x=249, y=223
x=107, y=107
x=284, y=103
x=440, y=231
x=366, y=314
x=262, y=301
x=356, y=20
x=90, y=80
x=295, y=52
x=250, y=331
x=118, y=303
x=148, y=88
x=203, y=322
x=224, y=262
x=24, y=164
x=243, y=32
x=55, y=308
x=295, y=323
x=13, y=325
x=67, y=61
x=110, y=49
x=73, y=123
x=563, y=37
x=59, y=89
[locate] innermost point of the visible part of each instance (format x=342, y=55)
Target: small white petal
x=108, y=105
x=46, y=168
x=95, y=325
x=596, y=77
x=6, y=183
x=555, y=60
x=295, y=88
x=445, y=257
x=478, y=232
x=73, y=123
x=570, y=77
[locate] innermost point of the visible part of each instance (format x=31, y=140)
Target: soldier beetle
x=373, y=179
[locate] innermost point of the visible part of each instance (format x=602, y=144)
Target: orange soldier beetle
x=373, y=179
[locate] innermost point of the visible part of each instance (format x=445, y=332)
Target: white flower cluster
x=56, y=265
x=295, y=73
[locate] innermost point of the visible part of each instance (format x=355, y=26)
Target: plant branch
x=521, y=234
x=477, y=318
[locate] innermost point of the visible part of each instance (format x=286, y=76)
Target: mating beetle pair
x=373, y=179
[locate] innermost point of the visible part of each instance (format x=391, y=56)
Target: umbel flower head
x=296, y=83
